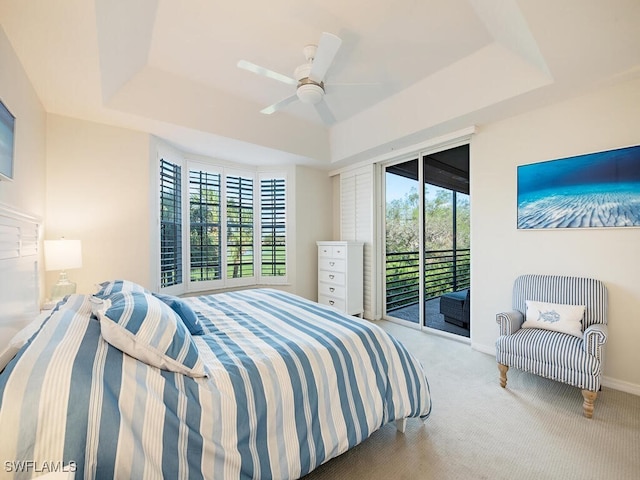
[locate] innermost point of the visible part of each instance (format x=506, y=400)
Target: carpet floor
x=533, y=429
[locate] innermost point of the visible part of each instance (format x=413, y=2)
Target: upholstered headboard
x=19, y=280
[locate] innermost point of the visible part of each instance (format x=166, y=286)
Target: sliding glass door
x=402, y=242
x=427, y=249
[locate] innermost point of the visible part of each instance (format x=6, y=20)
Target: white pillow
x=554, y=316
x=146, y=328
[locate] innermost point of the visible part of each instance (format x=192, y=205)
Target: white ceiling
x=169, y=67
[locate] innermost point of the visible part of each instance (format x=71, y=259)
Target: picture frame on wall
x=7, y=131
x=599, y=189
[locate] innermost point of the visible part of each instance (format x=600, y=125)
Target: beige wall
x=605, y=119
x=98, y=192
x=313, y=222
x=26, y=191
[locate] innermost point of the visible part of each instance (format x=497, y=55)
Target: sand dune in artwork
x=597, y=209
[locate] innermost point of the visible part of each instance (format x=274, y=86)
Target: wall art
x=7, y=126
x=599, y=189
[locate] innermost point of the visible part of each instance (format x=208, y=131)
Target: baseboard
x=489, y=350
x=628, y=387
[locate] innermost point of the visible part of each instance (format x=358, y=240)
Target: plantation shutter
x=205, y=226
x=170, y=224
x=273, y=246
x=357, y=224
x=240, y=230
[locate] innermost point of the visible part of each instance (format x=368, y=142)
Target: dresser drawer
x=339, y=252
x=332, y=302
x=335, y=251
x=331, y=290
x=335, y=278
x=332, y=264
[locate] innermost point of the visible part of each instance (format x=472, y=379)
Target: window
x=236, y=227
x=204, y=226
x=170, y=224
x=239, y=227
x=273, y=241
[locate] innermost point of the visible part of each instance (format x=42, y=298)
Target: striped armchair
x=558, y=356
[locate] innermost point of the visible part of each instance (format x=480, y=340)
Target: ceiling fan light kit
x=311, y=92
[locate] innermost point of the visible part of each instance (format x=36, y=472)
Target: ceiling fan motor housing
x=308, y=91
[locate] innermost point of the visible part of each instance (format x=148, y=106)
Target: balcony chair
x=557, y=329
x=455, y=307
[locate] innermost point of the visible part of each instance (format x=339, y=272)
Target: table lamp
x=62, y=255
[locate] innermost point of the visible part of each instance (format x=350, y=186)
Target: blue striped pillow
x=146, y=328
x=184, y=311
x=115, y=286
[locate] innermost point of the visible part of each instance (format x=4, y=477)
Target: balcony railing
x=445, y=271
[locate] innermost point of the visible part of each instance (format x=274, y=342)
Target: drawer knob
x=332, y=263
x=331, y=289
x=331, y=302
x=331, y=277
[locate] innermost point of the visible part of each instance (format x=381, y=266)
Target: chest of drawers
x=340, y=276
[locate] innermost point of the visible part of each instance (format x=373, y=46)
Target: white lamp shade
x=62, y=254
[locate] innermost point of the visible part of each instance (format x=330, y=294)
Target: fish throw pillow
x=554, y=316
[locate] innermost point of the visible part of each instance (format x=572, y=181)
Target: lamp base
x=62, y=289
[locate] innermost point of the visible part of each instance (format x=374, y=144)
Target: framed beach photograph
x=599, y=189
x=7, y=127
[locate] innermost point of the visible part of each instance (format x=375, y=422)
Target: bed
x=271, y=386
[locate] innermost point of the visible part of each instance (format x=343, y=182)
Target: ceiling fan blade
x=265, y=72
x=325, y=114
x=327, y=49
x=278, y=106
x=359, y=84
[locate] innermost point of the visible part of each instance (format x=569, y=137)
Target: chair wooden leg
x=587, y=405
x=503, y=374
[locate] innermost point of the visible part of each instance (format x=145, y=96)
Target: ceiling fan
x=308, y=77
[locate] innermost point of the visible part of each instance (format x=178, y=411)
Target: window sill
x=212, y=291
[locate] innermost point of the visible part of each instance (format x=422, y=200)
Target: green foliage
x=402, y=221
x=402, y=218
x=403, y=244
x=204, y=235
x=463, y=225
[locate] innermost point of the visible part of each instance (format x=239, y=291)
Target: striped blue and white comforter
x=292, y=384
